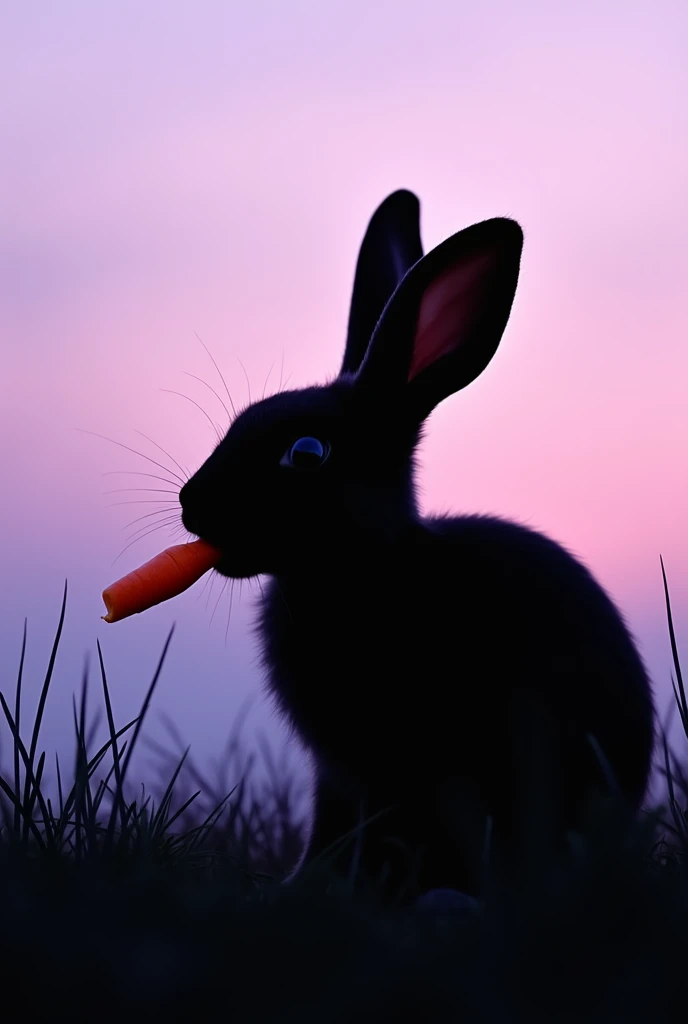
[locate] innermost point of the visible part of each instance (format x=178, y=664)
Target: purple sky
x=211, y=167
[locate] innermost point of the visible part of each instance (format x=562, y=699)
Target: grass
x=169, y=905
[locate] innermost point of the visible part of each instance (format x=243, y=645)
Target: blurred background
x=179, y=169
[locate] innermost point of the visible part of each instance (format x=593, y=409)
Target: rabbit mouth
x=236, y=567
x=235, y=561
x=226, y=564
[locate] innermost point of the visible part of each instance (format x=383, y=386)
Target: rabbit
x=459, y=681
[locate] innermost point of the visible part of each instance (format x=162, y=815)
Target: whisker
x=229, y=418
x=281, y=372
x=176, y=529
x=185, y=472
x=219, y=371
x=141, y=490
x=231, y=598
x=137, y=539
x=248, y=382
x=163, y=522
x=288, y=379
x=142, y=529
x=133, y=450
x=229, y=613
x=175, y=513
x=177, y=532
x=137, y=501
x=268, y=378
x=148, y=515
x=215, y=576
x=207, y=581
x=133, y=472
x=194, y=402
x=219, y=598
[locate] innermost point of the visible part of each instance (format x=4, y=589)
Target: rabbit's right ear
x=444, y=322
x=390, y=247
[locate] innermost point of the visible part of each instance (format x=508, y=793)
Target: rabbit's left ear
x=390, y=247
x=446, y=318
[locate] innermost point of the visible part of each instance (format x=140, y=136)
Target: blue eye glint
x=306, y=453
x=309, y=446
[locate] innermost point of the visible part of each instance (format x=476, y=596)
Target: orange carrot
x=168, y=574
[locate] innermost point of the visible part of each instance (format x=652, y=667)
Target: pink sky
x=172, y=168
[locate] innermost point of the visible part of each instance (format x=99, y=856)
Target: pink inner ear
x=448, y=311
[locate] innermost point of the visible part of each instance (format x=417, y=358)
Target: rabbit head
x=326, y=472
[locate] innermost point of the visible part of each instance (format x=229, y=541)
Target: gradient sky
x=172, y=168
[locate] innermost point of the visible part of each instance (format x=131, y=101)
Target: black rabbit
x=438, y=669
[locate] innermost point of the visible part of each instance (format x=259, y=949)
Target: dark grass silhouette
x=378, y=625
x=118, y=906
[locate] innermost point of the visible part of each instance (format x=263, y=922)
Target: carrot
x=168, y=574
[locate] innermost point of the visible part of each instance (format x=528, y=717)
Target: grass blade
x=681, y=695
x=137, y=729
x=17, y=712
x=32, y=790
x=158, y=819
x=41, y=707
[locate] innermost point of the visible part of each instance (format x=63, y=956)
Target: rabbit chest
x=358, y=664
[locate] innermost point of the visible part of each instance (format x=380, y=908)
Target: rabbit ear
x=446, y=318
x=391, y=246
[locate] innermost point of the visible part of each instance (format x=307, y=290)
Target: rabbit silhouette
x=450, y=676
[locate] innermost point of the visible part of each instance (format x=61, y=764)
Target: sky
x=173, y=170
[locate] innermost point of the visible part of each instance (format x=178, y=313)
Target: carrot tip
x=108, y=604
x=165, y=576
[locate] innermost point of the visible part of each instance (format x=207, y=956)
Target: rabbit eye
x=306, y=453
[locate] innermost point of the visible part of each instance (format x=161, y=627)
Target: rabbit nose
x=192, y=522
x=190, y=517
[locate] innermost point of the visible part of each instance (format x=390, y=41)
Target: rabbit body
x=440, y=670
x=401, y=690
